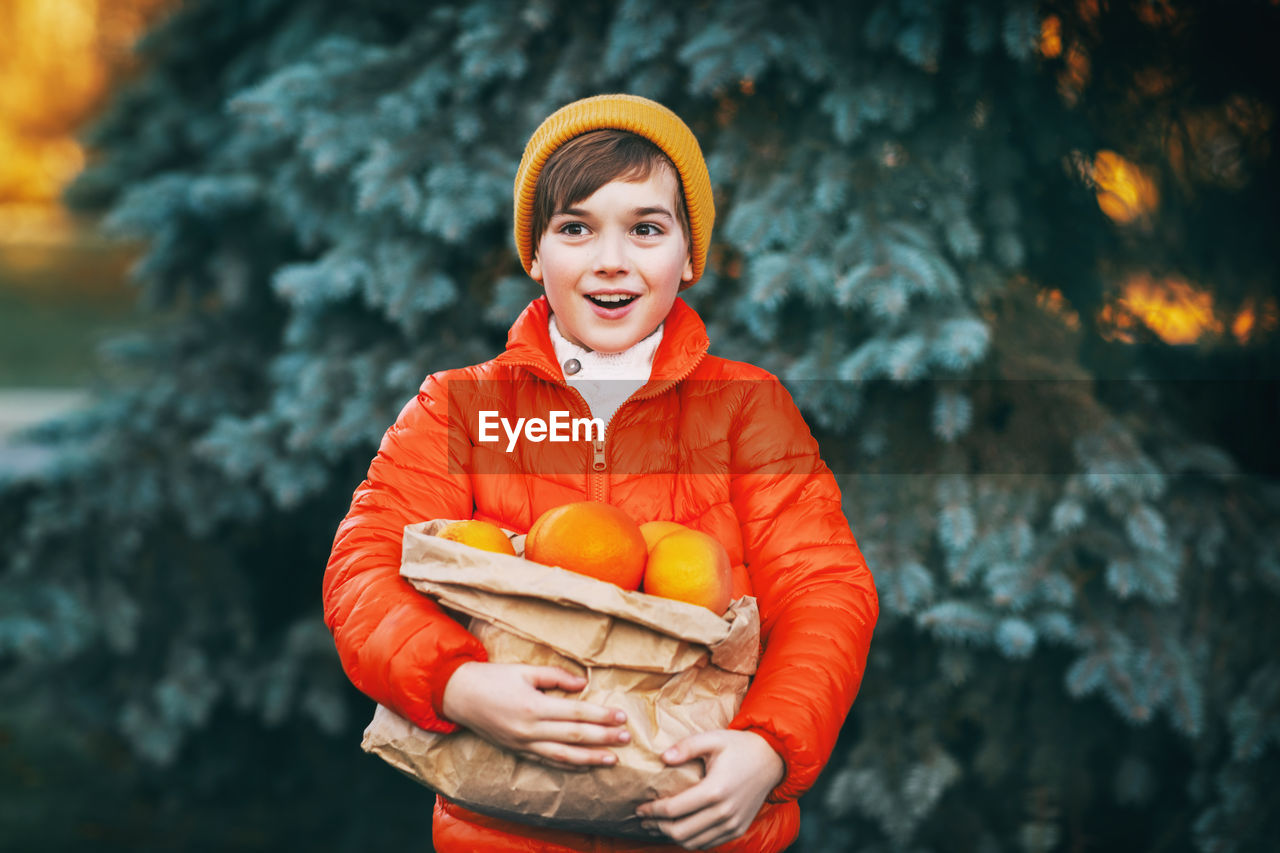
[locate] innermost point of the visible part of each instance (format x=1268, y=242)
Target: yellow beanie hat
x=634, y=114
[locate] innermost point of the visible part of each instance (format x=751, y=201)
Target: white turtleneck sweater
x=606, y=379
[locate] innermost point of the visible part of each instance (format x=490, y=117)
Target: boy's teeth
x=612, y=297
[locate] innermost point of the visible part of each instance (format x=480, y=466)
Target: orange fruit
x=591, y=538
x=532, y=528
x=690, y=566
x=652, y=531
x=478, y=534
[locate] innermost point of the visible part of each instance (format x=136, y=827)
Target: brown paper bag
x=675, y=669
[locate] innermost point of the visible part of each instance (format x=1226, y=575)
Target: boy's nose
x=611, y=255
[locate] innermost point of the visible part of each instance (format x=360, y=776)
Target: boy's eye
x=573, y=229
x=648, y=229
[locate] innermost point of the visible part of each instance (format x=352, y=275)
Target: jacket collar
x=684, y=343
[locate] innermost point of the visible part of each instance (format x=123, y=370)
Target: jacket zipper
x=597, y=475
x=600, y=464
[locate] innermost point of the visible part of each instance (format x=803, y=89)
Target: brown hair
x=584, y=164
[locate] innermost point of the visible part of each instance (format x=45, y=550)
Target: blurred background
x=62, y=284
x=1015, y=260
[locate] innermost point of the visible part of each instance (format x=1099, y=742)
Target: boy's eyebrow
x=652, y=211
x=636, y=211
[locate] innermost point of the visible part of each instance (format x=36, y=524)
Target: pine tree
x=1076, y=566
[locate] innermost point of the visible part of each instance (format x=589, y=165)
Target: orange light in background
x=56, y=63
x=1156, y=13
x=1173, y=309
x=42, y=88
x=1244, y=324
x=1115, y=324
x=1053, y=302
x=1255, y=319
x=1125, y=192
x=1074, y=75
x=1051, y=37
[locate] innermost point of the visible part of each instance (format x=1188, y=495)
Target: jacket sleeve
x=817, y=599
x=396, y=645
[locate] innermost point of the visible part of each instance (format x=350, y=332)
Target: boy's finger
x=559, y=765
x=581, y=733
x=693, y=831
x=687, y=802
x=582, y=712
x=571, y=757
x=693, y=746
x=543, y=677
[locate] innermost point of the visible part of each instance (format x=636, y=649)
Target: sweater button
x=572, y=366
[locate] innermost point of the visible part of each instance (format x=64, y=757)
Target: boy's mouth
x=612, y=300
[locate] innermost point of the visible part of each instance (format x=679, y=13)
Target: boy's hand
x=504, y=704
x=741, y=771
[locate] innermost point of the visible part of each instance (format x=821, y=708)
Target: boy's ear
x=535, y=269
x=687, y=275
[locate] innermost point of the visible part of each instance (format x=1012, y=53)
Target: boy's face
x=612, y=263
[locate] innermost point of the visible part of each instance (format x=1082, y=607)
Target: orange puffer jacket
x=714, y=444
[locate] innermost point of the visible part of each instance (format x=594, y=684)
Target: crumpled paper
x=674, y=668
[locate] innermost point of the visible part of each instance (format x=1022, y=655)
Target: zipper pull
x=598, y=464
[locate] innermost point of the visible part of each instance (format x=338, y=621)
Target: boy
x=613, y=216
